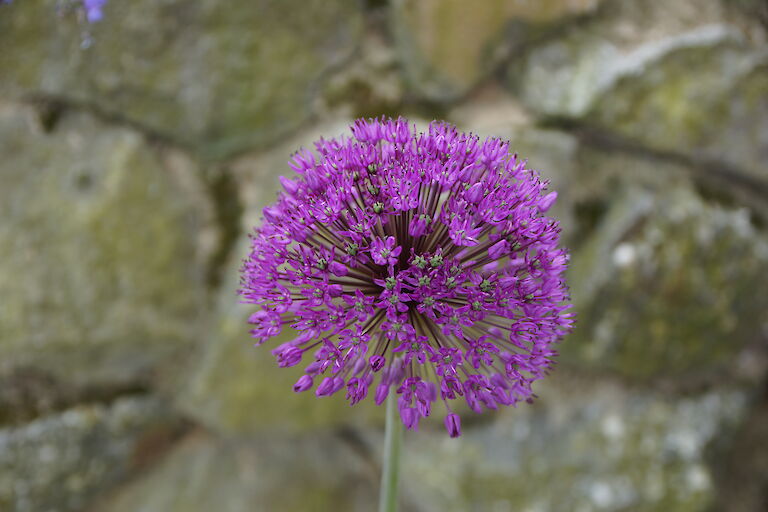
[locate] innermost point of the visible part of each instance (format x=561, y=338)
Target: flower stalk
x=390, y=467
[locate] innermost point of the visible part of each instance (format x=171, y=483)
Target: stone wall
x=132, y=171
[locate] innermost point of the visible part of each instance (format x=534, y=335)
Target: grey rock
x=60, y=462
x=99, y=268
x=665, y=287
x=370, y=85
x=277, y=473
x=682, y=77
x=579, y=447
x=448, y=46
x=709, y=102
x=219, y=79
x=566, y=73
x=570, y=76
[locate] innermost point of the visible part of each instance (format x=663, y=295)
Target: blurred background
x=137, y=152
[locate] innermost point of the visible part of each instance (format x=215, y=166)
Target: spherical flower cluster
x=413, y=263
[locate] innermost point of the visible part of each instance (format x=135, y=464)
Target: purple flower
x=453, y=425
x=287, y=355
x=446, y=360
x=93, y=9
x=329, y=386
x=377, y=362
x=419, y=261
x=304, y=383
x=384, y=252
x=418, y=348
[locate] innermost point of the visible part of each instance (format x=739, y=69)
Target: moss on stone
x=674, y=295
x=579, y=448
x=97, y=253
x=219, y=80
x=276, y=473
x=61, y=461
x=448, y=46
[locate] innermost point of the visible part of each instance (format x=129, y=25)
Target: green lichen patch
x=279, y=473
x=98, y=260
x=579, y=448
x=668, y=289
x=219, y=80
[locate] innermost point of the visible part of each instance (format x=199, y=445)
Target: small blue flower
x=93, y=10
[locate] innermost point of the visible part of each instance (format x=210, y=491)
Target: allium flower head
x=413, y=263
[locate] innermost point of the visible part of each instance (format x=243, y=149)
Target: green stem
x=390, y=471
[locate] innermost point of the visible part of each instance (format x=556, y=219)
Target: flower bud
x=271, y=213
x=475, y=193
x=304, y=383
x=338, y=269
x=547, y=201
x=410, y=418
x=289, y=185
x=377, y=363
x=381, y=393
x=453, y=425
x=326, y=387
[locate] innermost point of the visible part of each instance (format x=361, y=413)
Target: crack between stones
x=741, y=483
x=220, y=186
x=29, y=394
x=719, y=180
x=228, y=212
x=51, y=106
